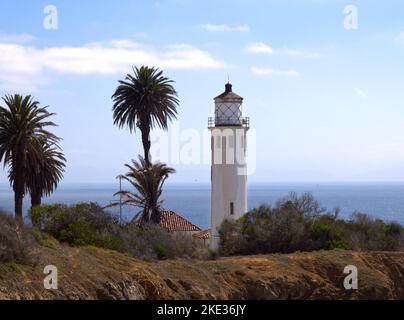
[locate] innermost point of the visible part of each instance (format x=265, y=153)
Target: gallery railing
x=229, y=121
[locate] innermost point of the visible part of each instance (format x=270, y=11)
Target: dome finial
x=229, y=87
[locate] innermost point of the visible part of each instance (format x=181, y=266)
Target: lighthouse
x=229, y=168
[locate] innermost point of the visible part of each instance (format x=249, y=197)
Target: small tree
x=148, y=180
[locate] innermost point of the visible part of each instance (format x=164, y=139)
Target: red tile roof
x=174, y=222
x=203, y=235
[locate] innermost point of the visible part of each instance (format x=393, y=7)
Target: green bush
x=326, y=233
x=15, y=240
x=87, y=224
x=45, y=239
x=284, y=229
x=365, y=233
x=160, y=251
x=300, y=224
x=82, y=224
x=152, y=242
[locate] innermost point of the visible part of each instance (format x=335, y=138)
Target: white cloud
x=184, y=56
x=259, y=47
x=263, y=48
x=225, y=28
x=22, y=67
x=274, y=72
x=16, y=38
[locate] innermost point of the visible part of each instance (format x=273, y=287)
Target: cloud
x=274, y=72
x=184, y=56
x=259, y=47
x=225, y=28
x=16, y=38
x=263, y=48
x=362, y=94
x=22, y=67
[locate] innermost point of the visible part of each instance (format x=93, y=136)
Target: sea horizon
x=383, y=200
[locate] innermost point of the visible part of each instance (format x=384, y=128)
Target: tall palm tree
x=22, y=131
x=42, y=177
x=148, y=181
x=144, y=100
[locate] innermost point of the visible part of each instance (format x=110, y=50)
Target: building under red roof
x=172, y=221
x=203, y=235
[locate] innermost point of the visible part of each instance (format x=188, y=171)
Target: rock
x=130, y=290
x=170, y=283
x=260, y=290
x=122, y=290
x=186, y=285
x=103, y=294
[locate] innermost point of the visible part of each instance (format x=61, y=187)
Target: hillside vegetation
x=99, y=258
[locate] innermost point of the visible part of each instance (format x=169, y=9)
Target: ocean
x=382, y=200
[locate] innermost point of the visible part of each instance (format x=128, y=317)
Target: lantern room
x=228, y=109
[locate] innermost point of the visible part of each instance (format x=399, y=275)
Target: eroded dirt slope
x=92, y=273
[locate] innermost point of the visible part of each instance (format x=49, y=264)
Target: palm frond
x=147, y=180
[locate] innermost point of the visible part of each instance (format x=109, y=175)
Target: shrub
x=88, y=224
x=232, y=239
x=45, y=239
x=15, y=240
x=78, y=225
x=326, y=233
x=205, y=253
x=366, y=233
x=160, y=251
x=266, y=230
x=153, y=242
x=300, y=224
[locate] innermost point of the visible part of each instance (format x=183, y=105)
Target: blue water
x=382, y=200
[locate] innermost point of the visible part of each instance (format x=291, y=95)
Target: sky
x=323, y=87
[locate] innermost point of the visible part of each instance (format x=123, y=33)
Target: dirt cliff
x=92, y=273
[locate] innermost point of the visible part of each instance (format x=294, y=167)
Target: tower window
x=231, y=208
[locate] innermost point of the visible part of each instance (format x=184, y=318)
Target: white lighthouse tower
x=229, y=169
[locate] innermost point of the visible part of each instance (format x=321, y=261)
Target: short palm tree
x=148, y=181
x=42, y=177
x=144, y=100
x=22, y=131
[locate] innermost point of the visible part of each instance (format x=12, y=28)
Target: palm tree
x=148, y=181
x=42, y=177
x=22, y=131
x=145, y=100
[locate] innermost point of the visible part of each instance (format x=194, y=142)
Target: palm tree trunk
x=18, y=205
x=156, y=216
x=36, y=199
x=145, y=129
x=18, y=185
